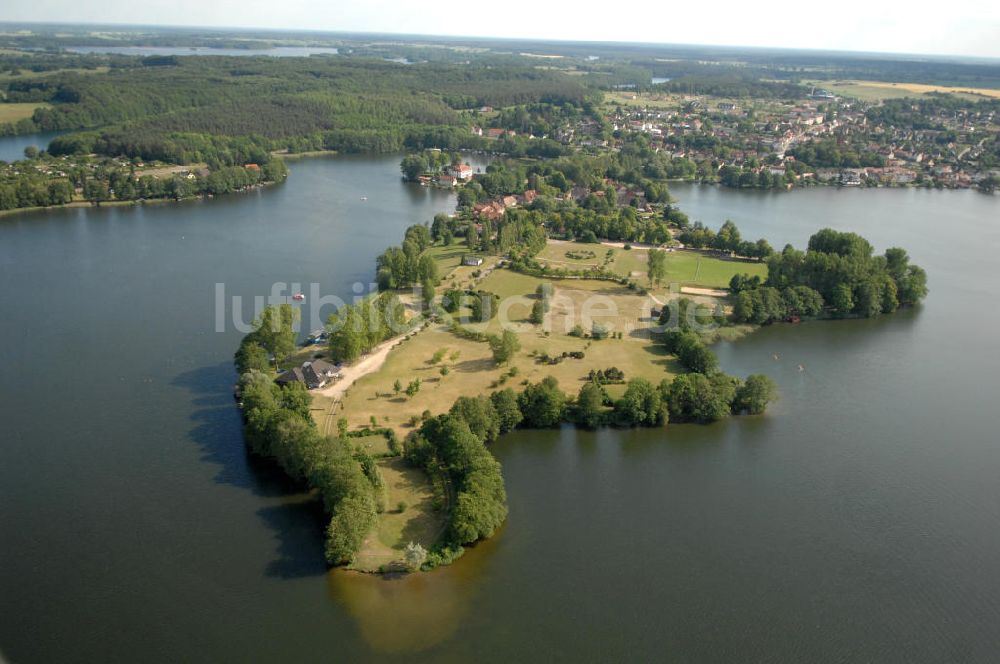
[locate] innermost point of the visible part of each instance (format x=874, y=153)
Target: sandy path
x=634, y=245
x=366, y=365
x=709, y=292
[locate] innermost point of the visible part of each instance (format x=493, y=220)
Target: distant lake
x=656, y=80
x=12, y=147
x=276, y=52
x=859, y=520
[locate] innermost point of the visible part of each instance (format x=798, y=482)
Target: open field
x=657, y=100
x=470, y=366
x=685, y=268
x=15, y=112
x=675, y=101
x=170, y=170
x=693, y=268
x=630, y=262
x=879, y=90
x=555, y=251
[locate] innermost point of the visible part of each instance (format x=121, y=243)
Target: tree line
x=278, y=424
x=106, y=180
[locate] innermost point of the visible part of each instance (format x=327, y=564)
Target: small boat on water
x=364, y=198
x=299, y=297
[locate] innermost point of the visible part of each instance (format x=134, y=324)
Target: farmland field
x=879, y=90
x=15, y=112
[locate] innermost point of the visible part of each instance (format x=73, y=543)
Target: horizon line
x=468, y=37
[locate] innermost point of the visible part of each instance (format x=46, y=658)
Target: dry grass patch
x=879, y=90
x=470, y=366
x=18, y=111
x=630, y=262
x=417, y=522
x=374, y=395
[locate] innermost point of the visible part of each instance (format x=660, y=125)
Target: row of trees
x=110, y=182
x=751, y=178
x=727, y=238
x=355, y=329
x=34, y=191
x=277, y=424
x=763, y=305
x=453, y=446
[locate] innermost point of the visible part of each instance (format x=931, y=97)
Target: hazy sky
x=967, y=27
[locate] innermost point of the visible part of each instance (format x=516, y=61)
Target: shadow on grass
x=473, y=366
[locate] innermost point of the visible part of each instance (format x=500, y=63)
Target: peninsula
x=521, y=324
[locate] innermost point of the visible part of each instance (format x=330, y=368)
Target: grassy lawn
x=555, y=251
x=685, y=268
x=691, y=268
x=453, y=273
x=15, y=112
x=418, y=522
x=375, y=443
x=448, y=258
x=630, y=262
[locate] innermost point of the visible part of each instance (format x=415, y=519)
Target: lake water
x=857, y=521
x=276, y=52
x=12, y=147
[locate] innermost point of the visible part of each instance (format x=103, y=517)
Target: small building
x=472, y=260
x=446, y=180
x=491, y=210
x=462, y=171
x=313, y=375
x=527, y=197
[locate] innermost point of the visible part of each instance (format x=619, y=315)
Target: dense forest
x=181, y=108
x=838, y=275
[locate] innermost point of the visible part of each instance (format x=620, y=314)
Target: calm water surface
x=858, y=520
x=12, y=147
